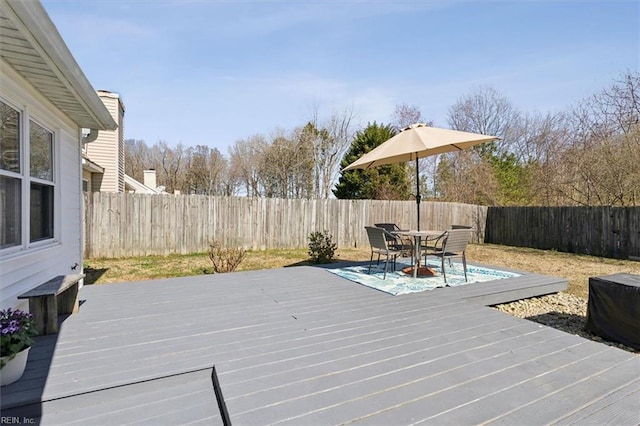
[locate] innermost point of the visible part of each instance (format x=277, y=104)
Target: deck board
x=304, y=346
x=384, y=386
x=183, y=398
x=512, y=387
x=609, y=408
x=592, y=375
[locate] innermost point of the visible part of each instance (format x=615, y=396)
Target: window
x=41, y=152
x=41, y=210
x=26, y=174
x=10, y=202
x=41, y=167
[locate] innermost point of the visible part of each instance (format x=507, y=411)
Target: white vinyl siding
x=31, y=264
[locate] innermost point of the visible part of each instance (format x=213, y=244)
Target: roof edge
x=51, y=47
x=139, y=186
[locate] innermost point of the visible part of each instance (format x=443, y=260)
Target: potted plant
x=16, y=331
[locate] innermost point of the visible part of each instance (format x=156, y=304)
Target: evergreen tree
x=387, y=182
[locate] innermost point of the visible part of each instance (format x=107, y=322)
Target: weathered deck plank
x=489, y=395
x=603, y=372
x=304, y=346
x=176, y=400
x=383, y=385
x=510, y=289
x=611, y=408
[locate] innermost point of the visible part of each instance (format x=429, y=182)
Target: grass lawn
x=576, y=268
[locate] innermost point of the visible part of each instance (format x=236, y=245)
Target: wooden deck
x=302, y=346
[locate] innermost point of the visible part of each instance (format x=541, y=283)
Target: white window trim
x=25, y=176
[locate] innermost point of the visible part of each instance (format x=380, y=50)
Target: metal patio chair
x=454, y=244
x=397, y=242
x=380, y=245
x=435, y=245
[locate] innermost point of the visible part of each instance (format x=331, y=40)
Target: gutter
x=35, y=25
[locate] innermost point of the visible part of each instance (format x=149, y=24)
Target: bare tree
x=311, y=136
x=405, y=115
x=598, y=164
x=245, y=159
x=206, y=170
x=464, y=179
x=330, y=139
x=275, y=167
x=219, y=180
x=172, y=166
x=231, y=182
x=587, y=155
x=487, y=112
x=536, y=137
x=614, y=110
x=286, y=170
x=605, y=173
x=137, y=158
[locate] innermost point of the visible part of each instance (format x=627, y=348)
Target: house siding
x=30, y=267
x=87, y=176
x=108, y=149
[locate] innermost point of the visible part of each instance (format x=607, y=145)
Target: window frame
x=26, y=180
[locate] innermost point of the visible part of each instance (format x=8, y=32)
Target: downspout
x=92, y=136
x=82, y=215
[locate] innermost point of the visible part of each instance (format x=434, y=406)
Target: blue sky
x=213, y=72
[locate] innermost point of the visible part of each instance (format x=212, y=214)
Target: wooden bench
x=57, y=296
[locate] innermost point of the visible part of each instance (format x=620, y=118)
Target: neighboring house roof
x=32, y=45
x=90, y=166
x=140, y=188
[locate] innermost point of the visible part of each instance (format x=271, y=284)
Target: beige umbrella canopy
x=418, y=141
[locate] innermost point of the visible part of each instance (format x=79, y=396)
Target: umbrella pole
x=418, y=190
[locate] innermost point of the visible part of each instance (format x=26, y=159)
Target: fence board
x=123, y=224
x=120, y=225
x=599, y=231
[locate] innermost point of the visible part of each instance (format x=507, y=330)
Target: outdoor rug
x=399, y=282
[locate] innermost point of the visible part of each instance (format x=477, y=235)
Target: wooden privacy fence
x=600, y=231
x=123, y=224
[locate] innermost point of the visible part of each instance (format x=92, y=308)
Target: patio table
x=418, y=236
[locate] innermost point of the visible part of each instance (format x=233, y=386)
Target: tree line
x=301, y=163
x=586, y=155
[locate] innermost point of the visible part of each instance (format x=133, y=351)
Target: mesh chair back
x=377, y=237
x=461, y=227
x=388, y=226
x=456, y=241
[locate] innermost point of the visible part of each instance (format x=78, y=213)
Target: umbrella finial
x=414, y=126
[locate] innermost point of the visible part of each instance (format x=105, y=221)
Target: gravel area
x=562, y=311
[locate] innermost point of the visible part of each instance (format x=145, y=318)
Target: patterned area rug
x=399, y=282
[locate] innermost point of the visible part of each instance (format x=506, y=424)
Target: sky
x=209, y=72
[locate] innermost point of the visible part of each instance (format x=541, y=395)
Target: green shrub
x=321, y=247
x=225, y=259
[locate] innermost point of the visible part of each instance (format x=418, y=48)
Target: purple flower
x=16, y=331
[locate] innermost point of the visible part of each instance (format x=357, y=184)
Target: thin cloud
x=217, y=71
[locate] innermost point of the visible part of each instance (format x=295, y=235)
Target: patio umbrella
x=418, y=141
